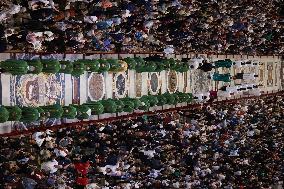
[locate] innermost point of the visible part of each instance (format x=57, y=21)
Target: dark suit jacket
x=206, y=67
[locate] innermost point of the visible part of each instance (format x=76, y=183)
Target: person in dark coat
x=206, y=67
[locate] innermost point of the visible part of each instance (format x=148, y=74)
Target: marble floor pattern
x=75, y=90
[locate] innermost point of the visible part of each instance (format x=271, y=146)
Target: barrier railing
x=130, y=116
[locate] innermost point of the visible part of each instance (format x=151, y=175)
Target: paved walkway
x=33, y=90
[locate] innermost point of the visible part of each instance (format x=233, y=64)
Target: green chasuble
x=53, y=111
x=145, y=103
x=128, y=105
x=78, y=69
x=66, y=67
x=227, y=63
x=104, y=66
x=30, y=114
x=119, y=105
x=170, y=98
x=15, y=67
x=131, y=63
x=4, y=114
x=114, y=65
x=96, y=108
x=222, y=77
x=15, y=113
x=110, y=106
x=50, y=66
x=90, y=65
x=83, y=111
x=69, y=112
x=35, y=66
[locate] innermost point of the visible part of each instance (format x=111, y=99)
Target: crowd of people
x=223, y=145
x=172, y=26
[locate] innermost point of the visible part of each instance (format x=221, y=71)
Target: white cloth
x=126, y=14
x=194, y=63
x=37, y=137
x=149, y=153
x=233, y=89
x=50, y=166
x=3, y=16
x=249, y=76
x=15, y=9
x=112, y=167
x=90, y=19
x=60, y=153
x=169, y=50
x=49, y=36
x=37, y=45
x=239, y=63
x=89, y=112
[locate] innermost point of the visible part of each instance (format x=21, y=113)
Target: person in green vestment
x=96, y=107
x=31, y=114
x=221, y=77
x=119, y=105
x=4, y=114
x=15, y=67
x=50, y=66
x=145, y=103
x=131, y=63
x=90, y=65
x=69, y=112
x=170, y=98
x=104, y=66
x=34, y=66
x=78, y=69
x=53, y=111
x=110, y=106
x=83, y=111
x=227, y=63
x=128, y=106
x=114, y=65
x=15, y=113
x=66, y=67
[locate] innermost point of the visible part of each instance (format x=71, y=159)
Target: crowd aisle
x=233, y=145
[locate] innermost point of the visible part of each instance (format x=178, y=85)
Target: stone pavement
x=34, y=90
